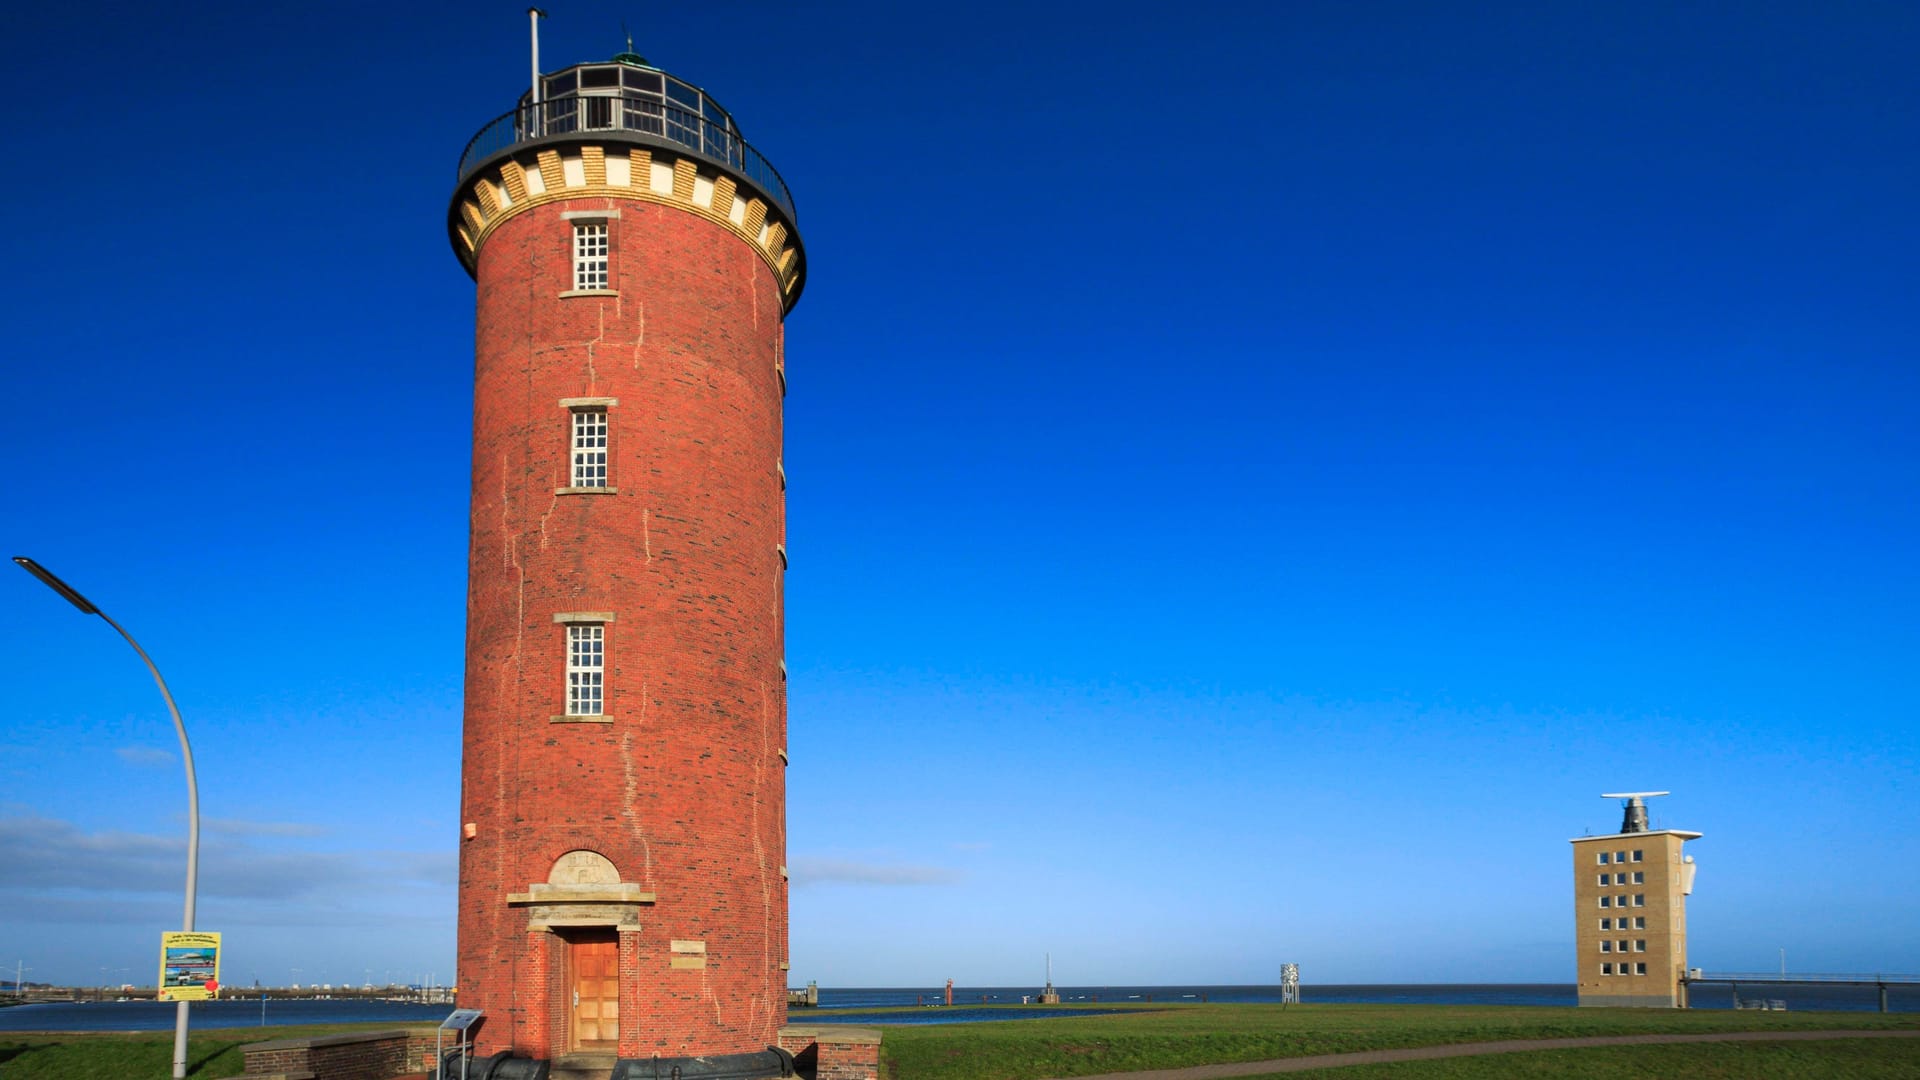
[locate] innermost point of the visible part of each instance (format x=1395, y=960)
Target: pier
x=1763, y=979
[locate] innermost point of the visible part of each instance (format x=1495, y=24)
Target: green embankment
x=1860, y=1059
x=1177, y=1036
x=212, y=1053
x=1160, y=1037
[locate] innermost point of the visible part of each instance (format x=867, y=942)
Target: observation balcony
x=625, y=100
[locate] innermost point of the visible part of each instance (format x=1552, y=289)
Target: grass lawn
x=1860, y=1059
x=1156, y=1037
x=211, y=1053
x=1174, y=1036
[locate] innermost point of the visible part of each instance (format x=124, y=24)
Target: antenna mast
x=534, y=15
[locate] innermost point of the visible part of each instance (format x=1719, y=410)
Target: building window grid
x=590, y=255
x=586, y=670
x=1639, y=877
x=1639, y=969
x=1639, y=899
x=1639, y=922
x=1637, y=853
x=590, y=448
x=1604, y=858
x=1606, y=945
x=1640, y=945
x=1606, y=969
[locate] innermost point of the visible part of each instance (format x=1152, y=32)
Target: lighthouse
x=623, y=888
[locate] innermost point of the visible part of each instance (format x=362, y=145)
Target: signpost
x=458, y=1021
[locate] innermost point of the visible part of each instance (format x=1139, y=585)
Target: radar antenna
x=1635, y=819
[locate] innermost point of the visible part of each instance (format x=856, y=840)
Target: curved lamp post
x=193, y=789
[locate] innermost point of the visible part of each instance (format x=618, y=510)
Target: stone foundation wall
x=833, y=1052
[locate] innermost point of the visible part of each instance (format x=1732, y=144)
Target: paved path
x=1508, y=1046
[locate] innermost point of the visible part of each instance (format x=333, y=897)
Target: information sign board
x=189, y=965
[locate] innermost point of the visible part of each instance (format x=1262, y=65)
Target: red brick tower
x=623, y=893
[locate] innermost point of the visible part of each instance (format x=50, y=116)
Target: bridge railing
x=1776, y=977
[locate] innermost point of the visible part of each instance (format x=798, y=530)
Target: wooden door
x=593, y=967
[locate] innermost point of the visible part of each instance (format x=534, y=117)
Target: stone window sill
x=571, y=293
x=586, y=491
x=580, y=720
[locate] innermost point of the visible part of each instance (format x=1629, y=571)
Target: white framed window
x=1606, y=945
x=1604, y=858
x=1606, y=924
x=1603, y=879
x=1639, y=922
x=590, y=256
x=586, y=669
x=1637, y=853
x=1623, y=945
x=589, y=448
x=1640, y=945
x=1639, y=877
x=1619, y=856
x=1606, y=969
x=1639, y=969
x=1606, y=901
x=1639, y=899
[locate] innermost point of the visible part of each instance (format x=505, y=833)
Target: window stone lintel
x=583, y=616
x=588, y=217
x=588, y=402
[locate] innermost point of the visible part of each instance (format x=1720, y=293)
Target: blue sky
x=1257, y=474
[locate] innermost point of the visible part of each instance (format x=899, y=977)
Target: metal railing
x=1776, y=977
x=659, y=120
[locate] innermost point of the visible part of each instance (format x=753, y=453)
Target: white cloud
x=44, y=855
x=145, y=756
x=237, y=827
x=813, y=871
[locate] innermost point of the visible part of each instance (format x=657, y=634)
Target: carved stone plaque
x=583, y=868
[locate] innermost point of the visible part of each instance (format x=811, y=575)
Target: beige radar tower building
x=1630, y=892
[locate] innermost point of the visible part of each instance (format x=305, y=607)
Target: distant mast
x=1049, y=996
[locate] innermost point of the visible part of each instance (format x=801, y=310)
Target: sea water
x=246, y=1012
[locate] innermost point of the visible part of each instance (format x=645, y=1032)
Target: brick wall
x=832, y=1052
x=683, y=789
x=373, y=1056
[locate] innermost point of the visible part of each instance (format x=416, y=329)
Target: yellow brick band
x=479, y=207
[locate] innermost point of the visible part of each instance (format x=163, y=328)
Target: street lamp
x=193, y=788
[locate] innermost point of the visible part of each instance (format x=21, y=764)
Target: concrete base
x=583, y=1066
x=1629, y=1001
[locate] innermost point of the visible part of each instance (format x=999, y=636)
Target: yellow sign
x=189, y=966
